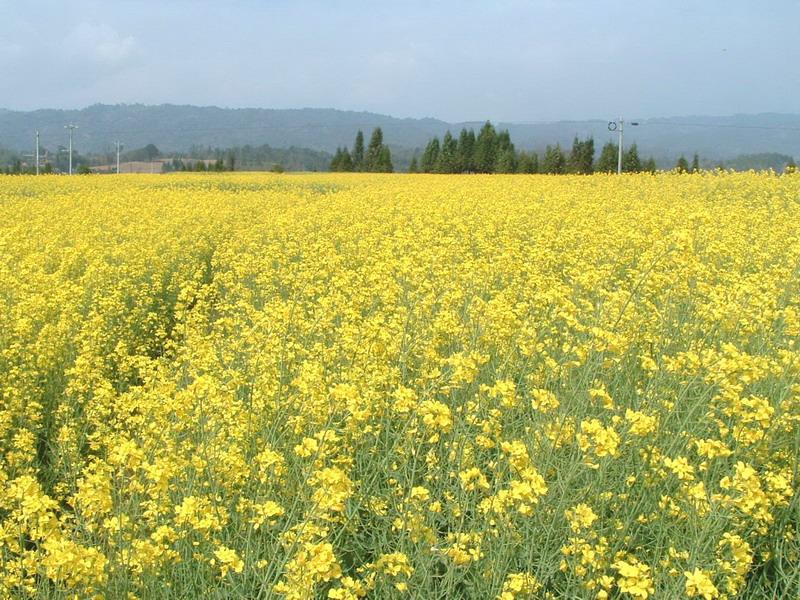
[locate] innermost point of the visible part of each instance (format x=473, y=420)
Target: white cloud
x=99, y=42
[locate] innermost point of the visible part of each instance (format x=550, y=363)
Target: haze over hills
x=177, y=128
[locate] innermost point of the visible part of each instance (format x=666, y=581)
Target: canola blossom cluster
x=381, y=386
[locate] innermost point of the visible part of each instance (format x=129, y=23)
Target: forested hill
x=174, y=128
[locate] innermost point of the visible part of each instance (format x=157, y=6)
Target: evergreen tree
x=581, y=157
x=358, y=152
x=466, y=151
x=607, y=163
x=682, y=166
x=587, y=156
x=630, y=160
x=506, y=154
x=231, y=161
x=413, y=167
x=372, y=159
x=522, y=161
x=554, y=160
x=574, y=160
x=527, y=162
x=346, y=161
x=385, y=161
x=430, y=157
x=448, y=155
x=695, y=163
x=336, y=161
x=506, y=161
x=486, y=149
x=503, y=141
x=649, y=165
x=790, y=167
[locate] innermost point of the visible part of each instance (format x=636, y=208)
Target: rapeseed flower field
x=388, y=386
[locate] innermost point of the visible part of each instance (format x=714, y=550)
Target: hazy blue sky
x=454, y=59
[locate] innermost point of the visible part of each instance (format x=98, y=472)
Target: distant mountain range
x=178, y=128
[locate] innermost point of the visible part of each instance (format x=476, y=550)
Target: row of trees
x=377, y=157
x=682, y=166
x=493, y=152
x=178, y=164
x=488, y=152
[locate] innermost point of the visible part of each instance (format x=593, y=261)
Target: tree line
x=492, y=151
x=200, y=165
x=488, y=152
x=377, y=158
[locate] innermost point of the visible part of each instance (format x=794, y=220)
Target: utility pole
x=71, y=128
x=618, y=126
x=119, y=147
x=37, y=151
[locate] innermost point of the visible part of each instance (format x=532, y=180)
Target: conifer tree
x=607, y=163
x=413, y=167
x=630, y=160
x=506, y=154
x=554, y=160
x=587, y=156
x=682, y=166
x=347, y=161
x=574, y=160
x=430, y=157
x=466, y=151
x=649, y=166
x=358, y=152
x=485, y=149
x=385, y=160
x=372, y=159
x=506, y=161
x=581, y=157
x=503, y=141
x=527, y=162
x=336, y=161
x=695, y=163
x=448, y=155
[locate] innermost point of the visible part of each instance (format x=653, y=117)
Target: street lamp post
x=119, y=147
x=71, y=128
x=618, y=126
